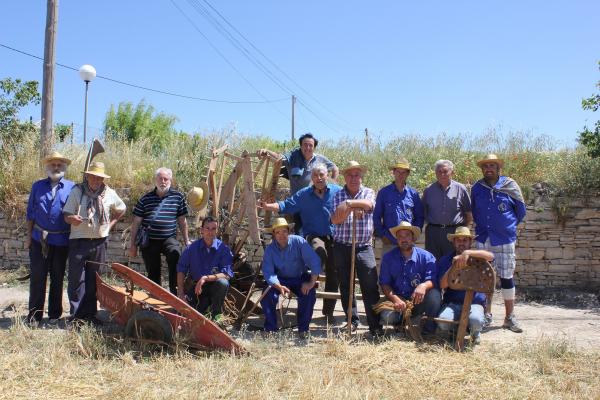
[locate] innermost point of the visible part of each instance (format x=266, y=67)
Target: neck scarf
x=94, y=207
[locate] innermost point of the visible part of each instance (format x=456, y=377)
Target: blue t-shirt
x=393, y=206
x=314, y=210
x=200, y=260
x=403, y=276
x=45, y=210
x=292, y=261
x=451, y=295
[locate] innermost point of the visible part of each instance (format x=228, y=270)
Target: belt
x=358, y=246
x=39, y=228
x=325, y=238
x=444, y=226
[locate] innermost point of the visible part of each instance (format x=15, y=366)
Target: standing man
x=498, y=207
x=315, y=206
x=355, y=197
x=408, y=272
x=207, y=262
x=396, y=202
x=92, y=210
x=159, y=211
x=48, y=238
x=289, y=265
x=453, y=299
x=447, y=205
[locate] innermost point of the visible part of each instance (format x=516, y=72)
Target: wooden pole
x=48, y=77
x=352, y=263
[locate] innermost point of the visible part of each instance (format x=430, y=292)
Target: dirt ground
x=566, y=315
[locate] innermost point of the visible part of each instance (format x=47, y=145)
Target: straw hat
x=491, y=158
x=96, y=168
x=461, y=231
x=406, y=226
x=354, y=165
x=198, y=197
x=402, y=163
x=278, y=223
x=55, y=155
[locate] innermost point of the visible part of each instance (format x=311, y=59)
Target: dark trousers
x=82, y=275
x=54, y=265
x=297, y=224
x=365, y=269
x=430, y=306
x=213, y=295
x=306, y=303
x=323, y=246
x=151, y=255
x=436, y=241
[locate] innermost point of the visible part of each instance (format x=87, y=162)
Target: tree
x=139, y=122
x=62, y=131
x=591, y=139
x=15, y=95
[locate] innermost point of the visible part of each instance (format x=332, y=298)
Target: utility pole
x=293, y=111
x=46, y=130
x=367, y=139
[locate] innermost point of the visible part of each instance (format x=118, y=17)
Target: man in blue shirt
x=396, y=202
x=206, y=262
x=315, y=206
x=453, y=299
x=498, y=207
x=289, y=265
x=48, y=238
x=409, y=273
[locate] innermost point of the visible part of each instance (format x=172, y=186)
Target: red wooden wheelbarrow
x=156, y=314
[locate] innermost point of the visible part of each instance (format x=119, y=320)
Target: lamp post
x=87, y=73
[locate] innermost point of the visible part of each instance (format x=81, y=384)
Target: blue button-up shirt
x=451, y=295
x=291, y=261
x=46, y=211
x=496, y=214
x=299, y=170
x=393, y=206
x=403, y=276
x=200, y=260
x=314, y=210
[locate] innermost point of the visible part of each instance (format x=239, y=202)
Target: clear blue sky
x=393, y=67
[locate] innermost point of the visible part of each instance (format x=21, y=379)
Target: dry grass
x=84, y=364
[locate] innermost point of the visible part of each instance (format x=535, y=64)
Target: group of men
x=332, y=222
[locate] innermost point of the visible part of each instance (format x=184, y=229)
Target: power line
x=265, y=101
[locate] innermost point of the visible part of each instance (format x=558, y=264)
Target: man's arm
x=135, y=225
x=335, y=172
x=344, y=209
x=180, y=289
x=378, y=216
x=399, y=304
x=183, y=227
x=468, y=219
x=267, y=206
x=462, y=259
x=418, y=212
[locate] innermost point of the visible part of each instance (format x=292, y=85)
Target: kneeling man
x=207, y=261
x=453, y=299
x=286, y=265
x=408, y=272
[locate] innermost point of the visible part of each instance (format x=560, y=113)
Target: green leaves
x=591, y=139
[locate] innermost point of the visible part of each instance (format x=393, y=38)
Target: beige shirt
x=111, y=203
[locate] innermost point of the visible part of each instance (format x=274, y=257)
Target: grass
x=85, y=364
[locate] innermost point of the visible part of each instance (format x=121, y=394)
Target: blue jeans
x=452, y=311
x=430, y=306
x=306, y=303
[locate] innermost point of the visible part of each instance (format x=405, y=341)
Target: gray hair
x=165, y=170
x=319, y=167
x=442, y=163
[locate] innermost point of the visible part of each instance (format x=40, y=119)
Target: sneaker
x=377, y=332
x=303, y=335
x=510, y=322
x=476, y=338
x=487, y=320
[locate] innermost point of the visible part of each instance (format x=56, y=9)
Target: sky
x=394, y=67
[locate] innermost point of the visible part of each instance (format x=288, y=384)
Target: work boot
x=487, y=320
x=510, y=322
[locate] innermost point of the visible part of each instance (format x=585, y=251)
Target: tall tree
x=14, y=95
x=591, y=139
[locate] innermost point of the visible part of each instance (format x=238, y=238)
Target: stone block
x=554, y=253
x=544, y=243
x=587, y=213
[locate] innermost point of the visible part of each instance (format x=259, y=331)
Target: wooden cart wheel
x=147, y=324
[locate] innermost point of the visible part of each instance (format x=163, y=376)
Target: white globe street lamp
x=87, y=73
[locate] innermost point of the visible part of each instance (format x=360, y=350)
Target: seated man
x=453, y=299
x=286, y=266
x=207, y=261
x=408, y=272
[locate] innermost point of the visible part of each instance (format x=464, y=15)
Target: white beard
x=55, y=176
x=162, y=191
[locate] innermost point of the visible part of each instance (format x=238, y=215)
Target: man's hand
x=419, y=294
x=461, y=260
x=285, y=291
x=198, y=288
x=399, y=305
x=133, y=251
x=359, y=213
x=306, y=287
x=74, y=220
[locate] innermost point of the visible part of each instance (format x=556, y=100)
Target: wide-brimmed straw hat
x=461, y=231
x=55, y=155
x=406, y=226
x=491, y=158
x=96, y=168
x=198, y=196
x=401, y=163
x=278, y=223
x=354, y=165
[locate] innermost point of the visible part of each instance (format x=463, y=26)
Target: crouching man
x=286, y=265
x=409, y=273
x=453, y=299
x=207, y=264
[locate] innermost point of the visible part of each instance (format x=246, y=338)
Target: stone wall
x=551, y=251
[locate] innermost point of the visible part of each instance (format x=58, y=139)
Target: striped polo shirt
x=164, y=225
